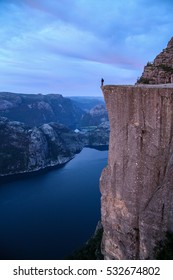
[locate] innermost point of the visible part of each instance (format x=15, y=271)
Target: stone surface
x=137, y=184
x=160, y=71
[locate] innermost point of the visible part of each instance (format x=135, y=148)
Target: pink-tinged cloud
x=65, y=42
x=37, y=5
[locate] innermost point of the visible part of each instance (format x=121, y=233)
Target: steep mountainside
x=37, y=109
x=160, y=71
x=24, y=149
x=95, y=116
x=97, y=136
x=137, y=184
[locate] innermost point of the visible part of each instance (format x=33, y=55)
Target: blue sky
x=67, y=46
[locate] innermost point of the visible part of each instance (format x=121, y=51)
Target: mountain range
x=39, y=131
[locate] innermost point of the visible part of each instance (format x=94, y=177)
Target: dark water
x=50, y=215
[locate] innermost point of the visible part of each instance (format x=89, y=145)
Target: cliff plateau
x=137, y=184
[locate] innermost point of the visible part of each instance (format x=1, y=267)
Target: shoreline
x=22, y=175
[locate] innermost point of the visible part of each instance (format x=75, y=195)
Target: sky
x=67, y=46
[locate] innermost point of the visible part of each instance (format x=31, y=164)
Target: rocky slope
x=137, y=184
x=37, y=109
x=95, y=116
x=97, y=136
x=94, y=126
x=160, y=71
x=24, y=149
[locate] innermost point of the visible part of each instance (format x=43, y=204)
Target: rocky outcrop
x=24, y=149
x=137, y=184
x=160, y=71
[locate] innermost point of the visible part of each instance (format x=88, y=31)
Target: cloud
x=69, y=45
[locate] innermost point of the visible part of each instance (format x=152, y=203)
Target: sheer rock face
x=161, y=70
x=137, y=184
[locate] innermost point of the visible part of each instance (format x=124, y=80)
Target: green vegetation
x=164, y=249
x=143, y=80
x=91, y=250
x=149, y=63
x=166, y=68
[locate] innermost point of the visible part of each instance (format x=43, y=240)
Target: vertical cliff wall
x=137, y=184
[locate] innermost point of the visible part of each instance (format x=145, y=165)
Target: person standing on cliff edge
x=102, y=82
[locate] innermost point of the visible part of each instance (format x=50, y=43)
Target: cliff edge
x=137, y=184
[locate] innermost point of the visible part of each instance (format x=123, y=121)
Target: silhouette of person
x=102, y=82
